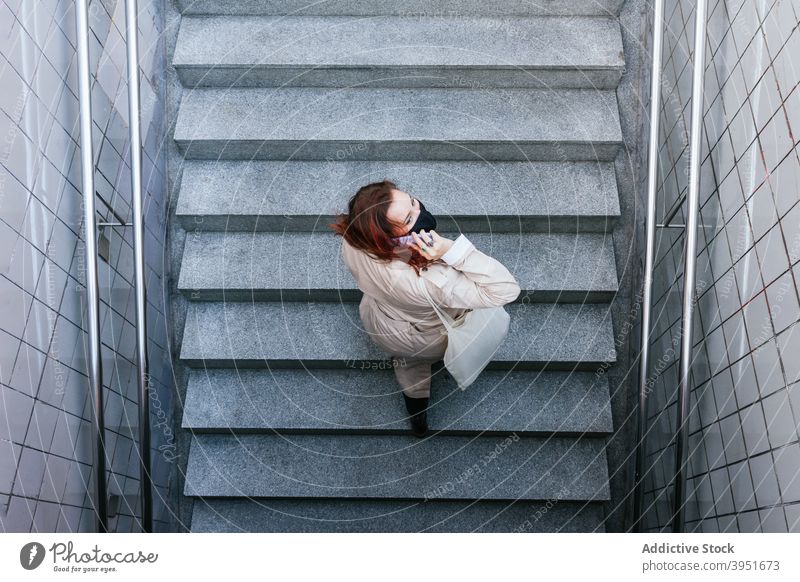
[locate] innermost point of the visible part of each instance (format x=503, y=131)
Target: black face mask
x=425, y=220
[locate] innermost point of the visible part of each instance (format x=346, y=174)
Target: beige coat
x=397, y=315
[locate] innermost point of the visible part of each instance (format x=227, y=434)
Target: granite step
x=367, y=401
x=419, y=9
x=314, y=123
x=397, y=467
x=395, y=516
x=330, y=335
x=398, y=51
x=471, y=196
x=240, y=266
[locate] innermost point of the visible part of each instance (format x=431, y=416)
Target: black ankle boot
x=418, y=409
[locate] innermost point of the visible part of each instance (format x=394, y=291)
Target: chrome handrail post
x=650, y=229
x=134, y=124
x=94, y=364
x=689, y=268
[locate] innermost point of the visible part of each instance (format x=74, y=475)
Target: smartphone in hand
x=408, y=239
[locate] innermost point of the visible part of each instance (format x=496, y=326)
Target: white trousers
x=412, y=351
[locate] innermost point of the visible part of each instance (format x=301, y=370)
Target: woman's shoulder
x=356, y=258
x=397, y=273
x=353, y=256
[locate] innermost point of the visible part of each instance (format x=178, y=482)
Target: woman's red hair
x=366, y=226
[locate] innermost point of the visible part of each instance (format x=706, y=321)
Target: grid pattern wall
x=46, y=473
x=744, y=455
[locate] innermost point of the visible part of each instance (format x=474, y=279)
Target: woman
x=393, y=310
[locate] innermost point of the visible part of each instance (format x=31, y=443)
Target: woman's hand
x=430, y=251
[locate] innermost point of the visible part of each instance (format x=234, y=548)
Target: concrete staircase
x=502, y=118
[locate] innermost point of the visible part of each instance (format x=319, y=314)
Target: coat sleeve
x=475, y=281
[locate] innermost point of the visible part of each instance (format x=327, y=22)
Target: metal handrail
x=137, y=219
x=690, y=258
x=92, y=286
x=690, y=268
x=647, y=290
x=94, y=364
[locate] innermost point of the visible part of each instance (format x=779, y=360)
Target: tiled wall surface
x=744, y=455
x=46, y=475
